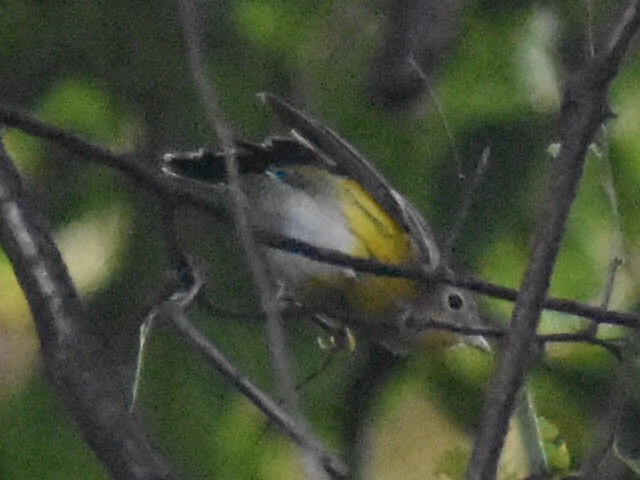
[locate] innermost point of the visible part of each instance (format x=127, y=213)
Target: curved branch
x=175, y=308
x=72, y=357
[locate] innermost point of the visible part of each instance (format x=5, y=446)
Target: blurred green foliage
x=116, y=73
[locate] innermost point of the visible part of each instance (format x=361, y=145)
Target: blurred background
x=490, y=75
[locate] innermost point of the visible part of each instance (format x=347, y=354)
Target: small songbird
x=316, y=189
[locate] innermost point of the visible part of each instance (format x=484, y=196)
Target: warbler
x=314, y=188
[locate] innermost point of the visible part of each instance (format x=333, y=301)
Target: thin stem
x=175, y=308
x=280, y=354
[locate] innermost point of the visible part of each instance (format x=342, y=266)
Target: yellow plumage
x=380, y=237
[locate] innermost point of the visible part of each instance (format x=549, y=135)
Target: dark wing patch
x=255, y=158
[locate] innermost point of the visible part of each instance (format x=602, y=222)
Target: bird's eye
x=455, y=301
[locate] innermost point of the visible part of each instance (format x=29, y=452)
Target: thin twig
x=616, y=246
x=223, y=131
x=608, y=424
x=605, y=433
x=583, y=110
x=542, y=338
x=278, y=348
x=369, y=265
x=443, y=118
x=467, y=199
x=151, y=179
x=614, y=266
x=612, y=346
x=176, y=309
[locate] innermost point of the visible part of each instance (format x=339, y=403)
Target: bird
x=338, y=212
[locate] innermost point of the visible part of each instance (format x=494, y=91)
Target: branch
x=596, y=314
x=315, y=466
x=583, y=110
x=178, y=192
x=468, y=196
x=72, y=356
x=175, y=308
x=239, y=207
x=152, y=179
x=610, y=421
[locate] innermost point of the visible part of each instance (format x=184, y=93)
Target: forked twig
x=175, y=309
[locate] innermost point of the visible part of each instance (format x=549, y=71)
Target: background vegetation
x=116, y=73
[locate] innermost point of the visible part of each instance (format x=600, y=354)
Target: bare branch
x=72, y=356
x=183, y=193
x=583, y=110
x=578, y=337
x=368, y=265
x=15, y=118
x=175, y=308
x=280, y=355
x=172, y=190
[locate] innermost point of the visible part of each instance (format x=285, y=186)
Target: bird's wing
x=339, y=155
